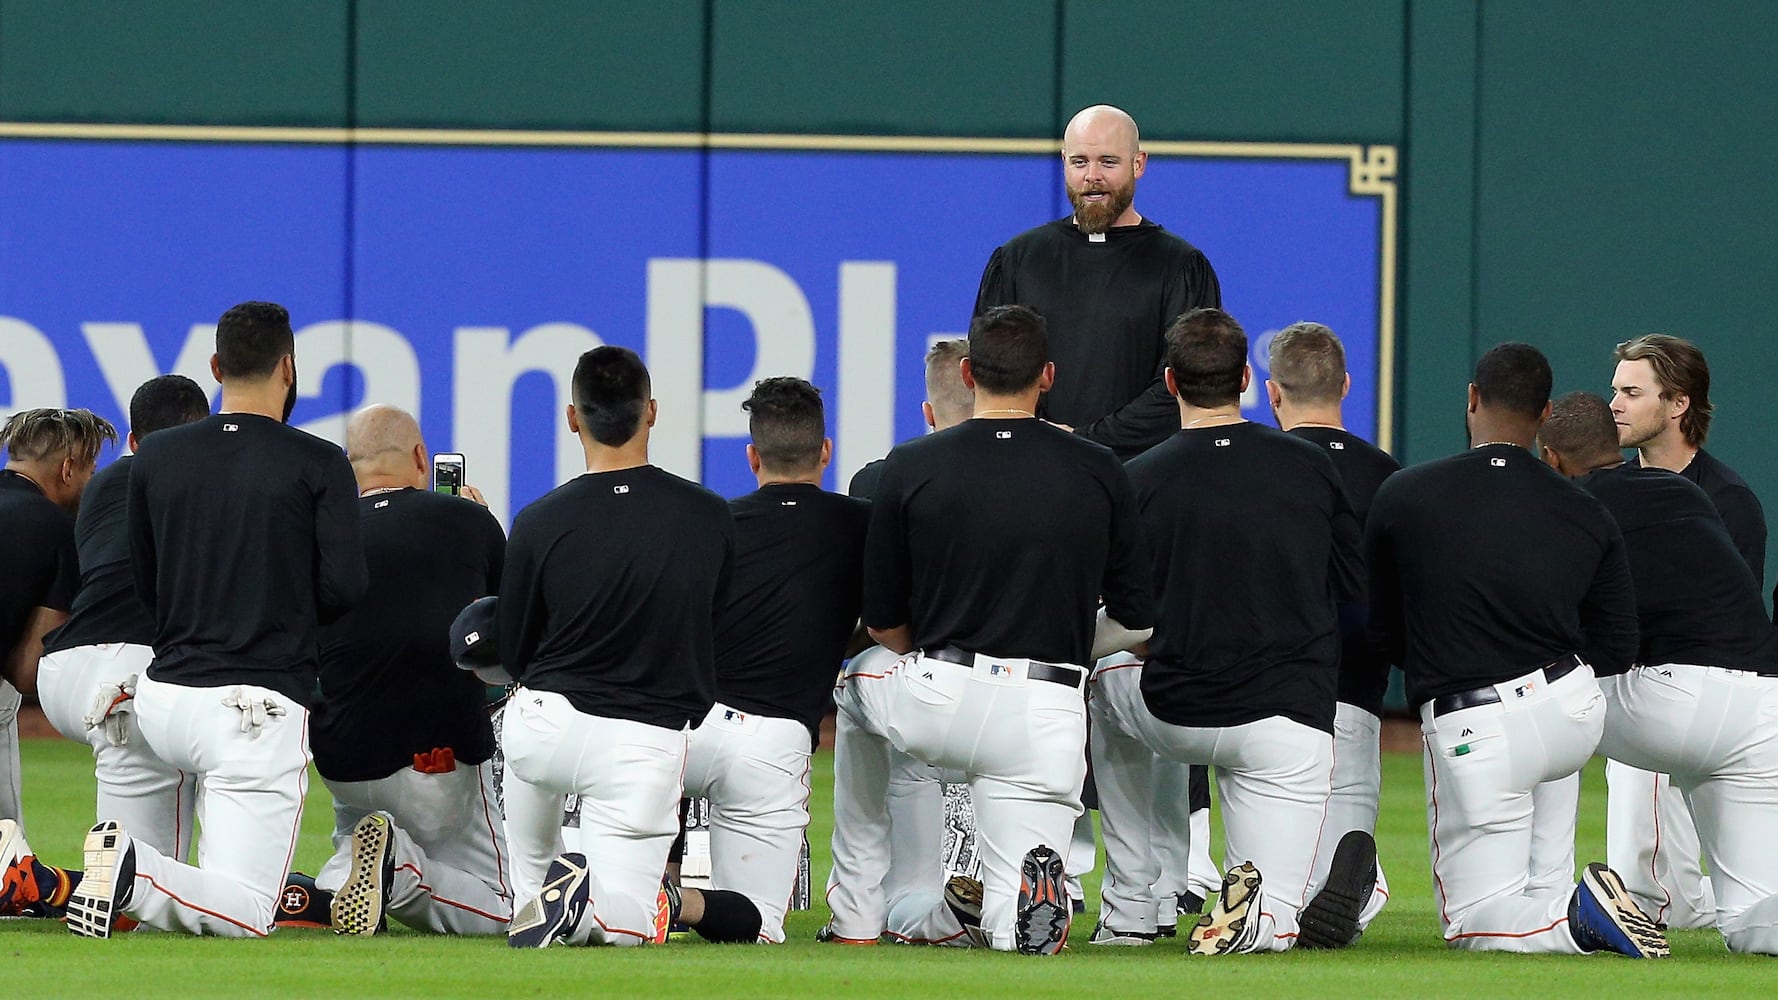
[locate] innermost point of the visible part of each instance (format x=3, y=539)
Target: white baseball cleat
x=359, y=908
x=1226, y=928
x=105, y=887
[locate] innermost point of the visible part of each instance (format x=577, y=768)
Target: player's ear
x=931, y=417
x=215, y=368
x=1475, y=398
x=1346, y=386
x=1544, y=417
x=826, y=453
x=1048, y=378
x=1677, y=404
x=967, y=372
x=131, y=441
x=573, y=419
x=752, y=458
x=654, y=410
x=1172, y=384
x=1273, y=396
x=1246, y=378
x=421, y=463
x=1140, y=163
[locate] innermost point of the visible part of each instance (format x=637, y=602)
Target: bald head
x=1101, y=161
x=386, y=448
x=1102, y=125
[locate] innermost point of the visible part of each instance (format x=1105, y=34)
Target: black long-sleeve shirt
x=1487, y=565
x=1696, y=600
x=609, y=598
x=41, y=567
x=793, y=601
x=999, y=537
x=1735, y=502
x=1108, y=304
x=389, y=689
x=106, y=609
x=1364, y=673
x=1254, y=545
x=244, y=540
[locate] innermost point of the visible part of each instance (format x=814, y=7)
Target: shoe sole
x=1041, y=927
x=544, y=919
x=1331, y=918
x=357, y=909
x=1608, y=890
x=92, y=906
x=1220, y=930
x=963, y=896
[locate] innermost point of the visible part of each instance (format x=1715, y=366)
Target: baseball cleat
x=1103, y=935
x=1226, y=927
x=963, y=896
x=303, y=904
x=666, y=912
x=1603, y=917
x=1190, y=902
x=1041, y=924
x=18, y=873
x=359, y=907
x=1331, y=918
x=97, y=905
x=557, y=908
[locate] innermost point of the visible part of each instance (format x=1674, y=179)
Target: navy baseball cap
x=473, y=642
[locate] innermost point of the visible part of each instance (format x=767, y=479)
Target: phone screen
x=447, y=474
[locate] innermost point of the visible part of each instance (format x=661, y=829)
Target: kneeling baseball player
x=1253, y=544
x=606, y=618
x=400, y=735
x=793, y=606
x=989, y=546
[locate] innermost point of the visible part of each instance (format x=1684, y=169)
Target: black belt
x=1055, y=673
x=1446, y=704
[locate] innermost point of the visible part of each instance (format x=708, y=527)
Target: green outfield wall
x=1571, y=173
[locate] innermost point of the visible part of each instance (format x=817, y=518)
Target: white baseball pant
x=1181, y=838
x=448, y=842
x=754, y=769
x=628, y=776
x=1272, y=777
x=888, y=824
x=11, y=793
x=1652, y=843
x=152, y=799
x=1497, y=884
x=1716, y=732
x=1357, y=785
x=1017, y=740
x=254, y=782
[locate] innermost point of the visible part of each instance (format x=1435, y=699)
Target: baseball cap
x=473, y=639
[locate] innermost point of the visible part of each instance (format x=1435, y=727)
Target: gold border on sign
x=1371, y=172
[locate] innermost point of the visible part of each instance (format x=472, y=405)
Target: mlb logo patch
x=1523, y=689
x=733, y=716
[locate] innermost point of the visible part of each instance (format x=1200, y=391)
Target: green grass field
x=1401, y=955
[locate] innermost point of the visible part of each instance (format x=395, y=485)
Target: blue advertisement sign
x=462, y=283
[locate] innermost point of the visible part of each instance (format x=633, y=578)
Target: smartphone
x=447, y=474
